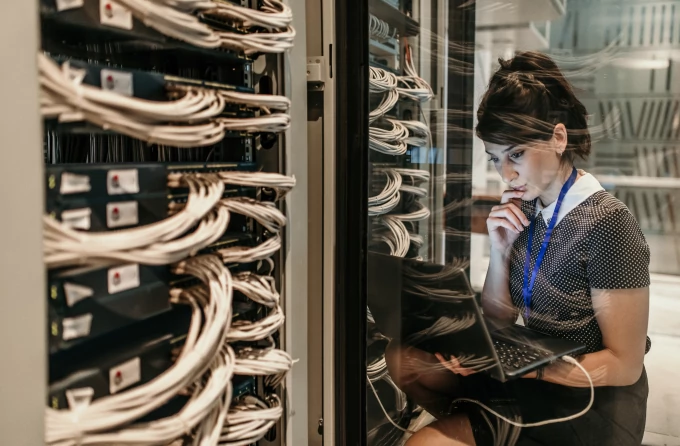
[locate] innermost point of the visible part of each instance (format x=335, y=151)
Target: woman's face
x=532, y=167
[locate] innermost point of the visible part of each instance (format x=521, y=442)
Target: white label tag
x=63, y=5
x=73, y=184
x=123, y=213
x=77, y=218
x=123, y=278
x=76, y=327
x=113, y=14
x=74, y=293
x=124, y=375
x=117, y=81
x=122, y=182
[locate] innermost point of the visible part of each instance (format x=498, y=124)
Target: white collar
x=583, y=188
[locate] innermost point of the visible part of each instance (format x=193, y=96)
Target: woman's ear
x=560, y=138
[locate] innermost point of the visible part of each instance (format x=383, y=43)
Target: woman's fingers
x=509, y=215
x=515, y=210
x=510, y=194
x=494, y=223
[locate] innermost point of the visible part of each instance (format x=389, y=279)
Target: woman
x=587, y=280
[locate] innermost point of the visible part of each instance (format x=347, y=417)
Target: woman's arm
x=496, y=300
x=506, y=221
x=623, y=317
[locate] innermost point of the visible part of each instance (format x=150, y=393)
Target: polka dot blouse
x=597, y=244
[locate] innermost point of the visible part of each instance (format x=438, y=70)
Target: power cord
x=565, y=358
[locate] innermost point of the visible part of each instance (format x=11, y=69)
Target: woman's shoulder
x=602, y=208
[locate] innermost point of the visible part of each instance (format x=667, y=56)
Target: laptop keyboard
x=517, y=356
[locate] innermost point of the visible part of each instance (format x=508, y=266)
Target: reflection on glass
x=496, y=128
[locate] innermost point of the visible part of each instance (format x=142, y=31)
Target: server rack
x=437, y=40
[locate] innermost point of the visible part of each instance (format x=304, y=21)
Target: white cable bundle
x=244, y=254
x=187, y=5
x=275, y=123
x=443, y=326
x=164, y=242
x=388, y=141
x=97, y=422
x=413, y=86
x=263, y=101
x=380, y=29
x=260, y=289
x=414, y=174
x=264, y=212
x=377, y=369
x=64, y=96
x=419, y=134
x=260, y=42
x=414, y=190
x=178, y=24
x=271, y=363
x=243, y=330
x=388, y=102
x=389, y=197
x=273, y=15
x=422, y=213
x=173, y=23
x=249, y=420
x=381, y=80
x=398, y=237
x=282, y=184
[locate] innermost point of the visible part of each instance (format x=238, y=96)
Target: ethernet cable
x=271, y=363
x=414, y=190
x=388, y=141
x=245, y=254
x=205, y=192
x=423, y=213
x=104, y=420
x=272, y=15
x=242, y=330
x=389, y=197
x=398, y=235
x=381, y=80
x=413, y=86
x=414, y=174
x=388, y=102
x=259, y=289
x=249, y=420
x=380, y=29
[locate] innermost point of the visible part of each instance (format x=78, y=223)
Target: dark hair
x=526, y=98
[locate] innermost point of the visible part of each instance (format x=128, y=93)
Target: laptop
x=433, y=307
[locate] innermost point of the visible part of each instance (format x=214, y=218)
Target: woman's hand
x=454, y=365
x=506, y=221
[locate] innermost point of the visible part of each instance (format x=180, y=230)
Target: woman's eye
x=495, y=160
x=516, y=155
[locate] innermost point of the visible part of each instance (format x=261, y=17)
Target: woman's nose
x=508, y=173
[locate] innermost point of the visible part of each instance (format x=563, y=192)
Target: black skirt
x=617, y=417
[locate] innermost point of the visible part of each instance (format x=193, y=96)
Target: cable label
x=74, y=184
x=113, y=14
x=122, y=181
x=123, y=278
x=77, y=218
x=121, y=214
x=74, y=293
x=117, y=81
x=76, y=327
x=63, y=5
x=124, y=375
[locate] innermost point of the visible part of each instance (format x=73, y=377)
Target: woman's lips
x=520, y=188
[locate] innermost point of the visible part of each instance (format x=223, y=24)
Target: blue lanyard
x=528, y=285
